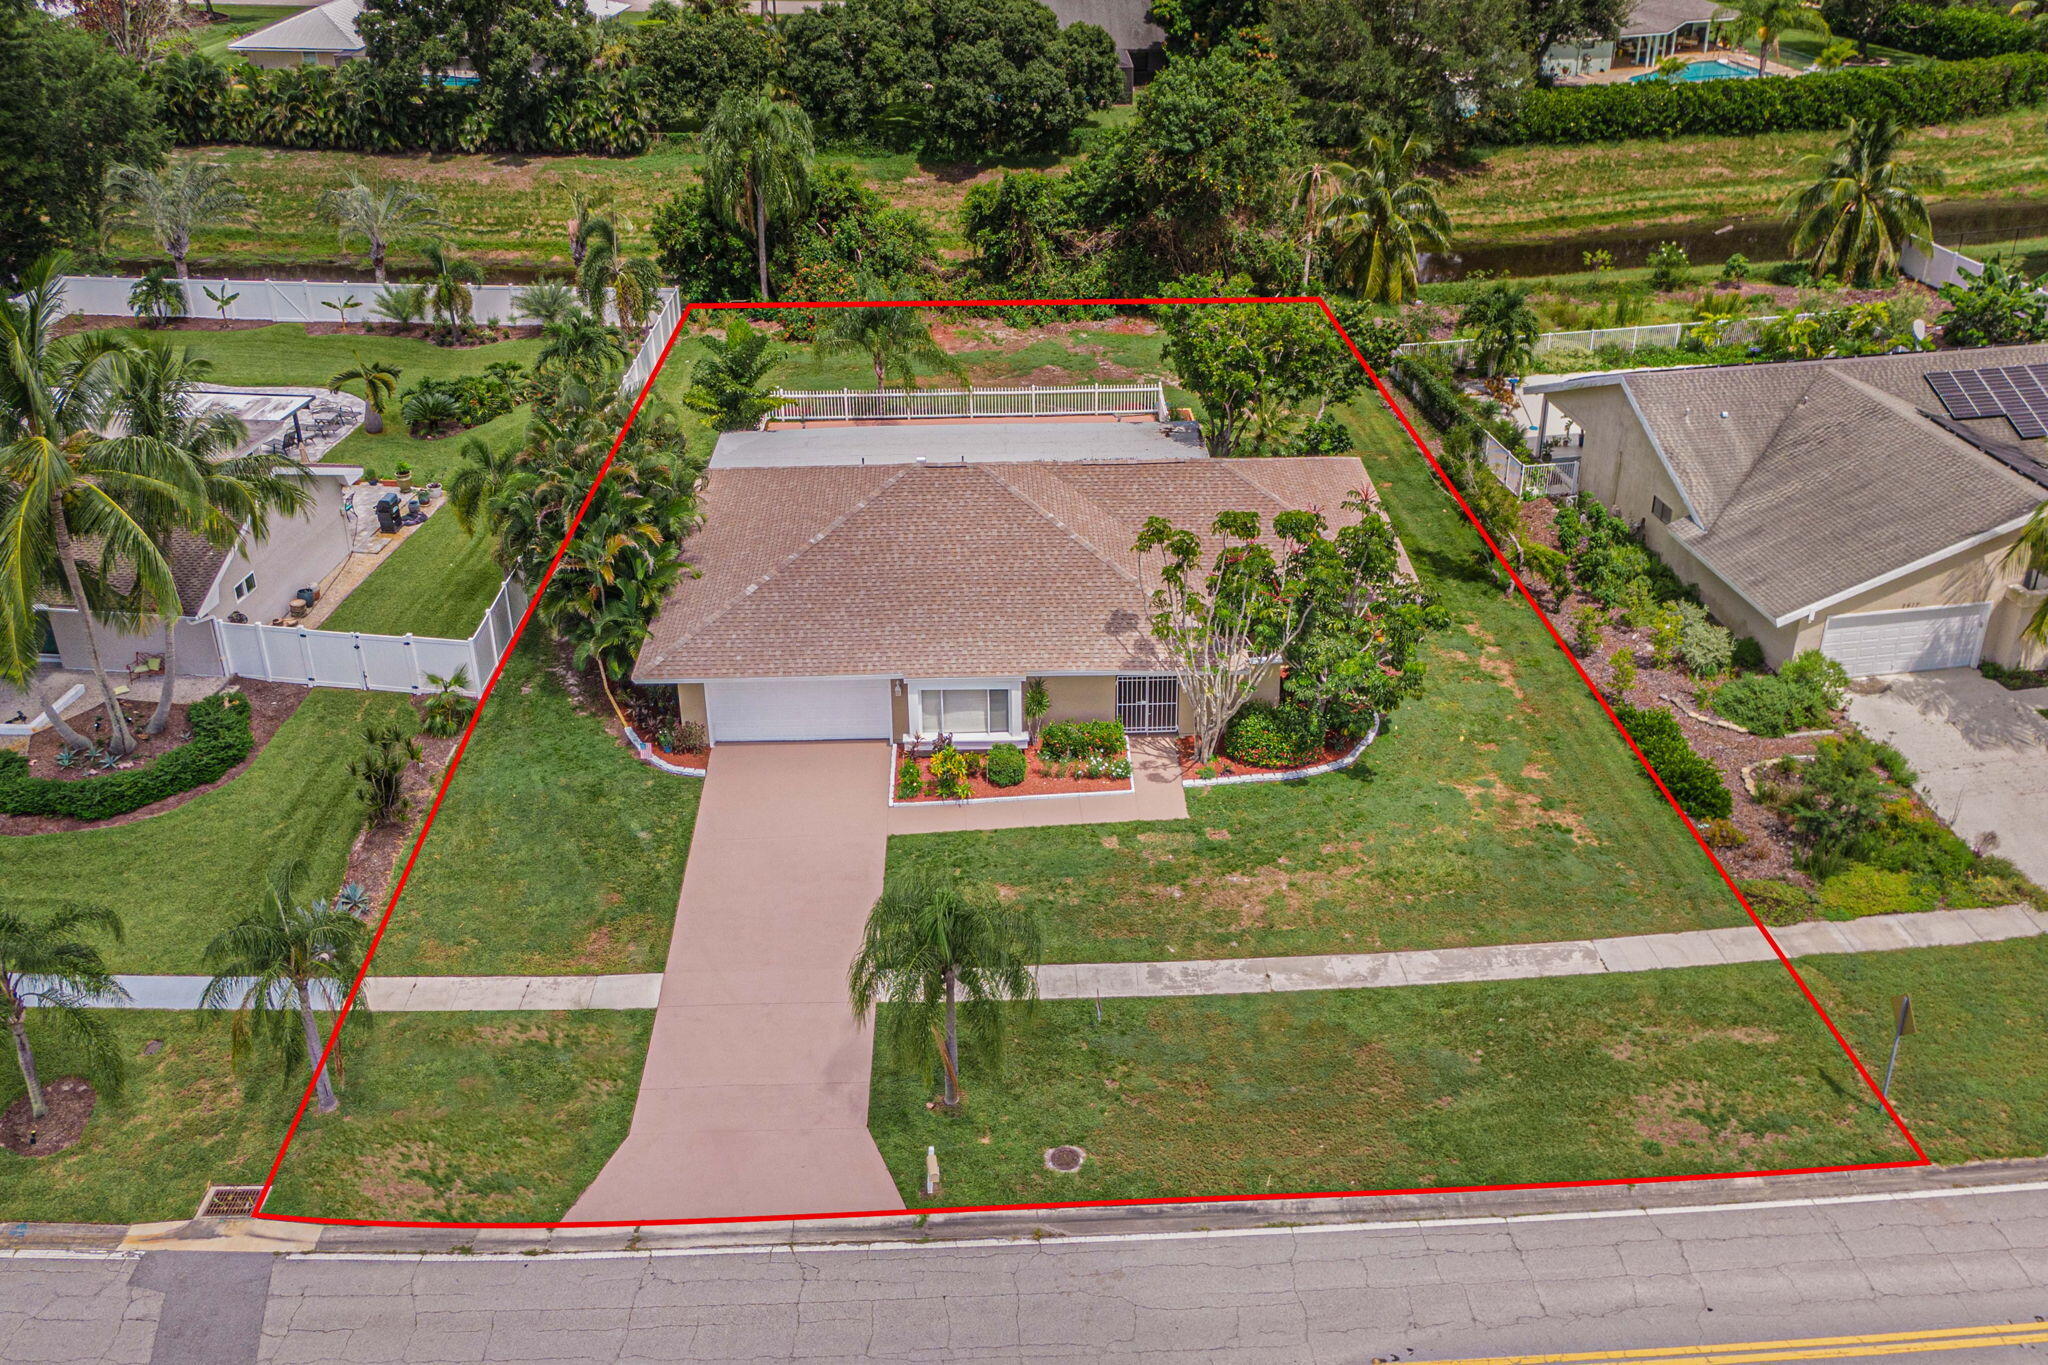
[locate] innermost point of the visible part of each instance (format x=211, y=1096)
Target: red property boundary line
x=1387, y=397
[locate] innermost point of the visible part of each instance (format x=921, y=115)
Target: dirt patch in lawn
x=270, y=706
x=70, y=1102
x=374, y=857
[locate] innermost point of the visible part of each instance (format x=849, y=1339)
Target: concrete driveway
x=1981, y=752
x=755, y=1095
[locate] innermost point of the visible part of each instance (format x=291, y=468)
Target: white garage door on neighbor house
x=743, y=709
x=1909, y=641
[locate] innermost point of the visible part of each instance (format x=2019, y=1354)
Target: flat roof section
x=968, y=441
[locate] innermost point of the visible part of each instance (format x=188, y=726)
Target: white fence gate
x=1081, y=400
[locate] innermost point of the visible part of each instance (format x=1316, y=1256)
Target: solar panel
x=2018, y=393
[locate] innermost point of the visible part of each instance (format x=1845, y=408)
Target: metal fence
x=1081, y=400
x=1530, y=478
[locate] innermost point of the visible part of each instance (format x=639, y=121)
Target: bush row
x=1694, y=782
x=1953, y=32
x=220, y=739
x=1937, y=92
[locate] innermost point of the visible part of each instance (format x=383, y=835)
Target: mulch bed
x=1190, y=767
x=69, y=1100
x=375, y=857
x=271, y=704
x=1036, y=783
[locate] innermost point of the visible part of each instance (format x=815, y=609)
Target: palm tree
x=729, y=384
x=2030, y=552
x=45, y=965
x=381, y=218
x=757, y=164
x=1384, y=215
x=894, y=338
x=1504, y=327
x=580, y=344
x=477, y=480
x=1863, y=204
x=448, y=295
x=588, y=222
x=630, y=282
x=170, y=204
x=545, y=300
x=1770, y=19
x=65, y=488
x=266, y=963
x=1314, y=186
x=379, y=380
x=157, y=299
x=932, y=939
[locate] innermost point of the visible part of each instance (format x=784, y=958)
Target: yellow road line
x=1809, y=1348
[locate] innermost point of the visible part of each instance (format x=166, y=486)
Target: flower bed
x=1043, y=776
x=221, y=738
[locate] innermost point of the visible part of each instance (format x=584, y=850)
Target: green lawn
x=474, y=1116
x=1500, y=807
x=1570, y=1078
x=556, y=851
x=178, y=878
x=212, y=39
x=439, y=581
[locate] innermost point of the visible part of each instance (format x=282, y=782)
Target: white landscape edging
x=1299, y=774
x=648, y=756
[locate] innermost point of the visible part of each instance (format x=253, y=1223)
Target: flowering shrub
x=1273, y=736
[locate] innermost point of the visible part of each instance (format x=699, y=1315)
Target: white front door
x=1909, y=641
x=741, y=709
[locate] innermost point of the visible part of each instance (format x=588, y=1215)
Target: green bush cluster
x=1005, y=765
x=1799, y=696
x=909, y=781
x=1267, y=736
x=1937, y=92
x=220, y=739
x=1066, y=739
x=1325, y=435
x=1693, y=782
x=1950, y=32
x=433, y=405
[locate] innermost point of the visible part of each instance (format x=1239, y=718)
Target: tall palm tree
x=170, y=204
x=1314, y=185
x=630, y=283
x=1383, y=216
x=1863, y=204
x=1771, y=19
x=1504, y=327
x=44, y=964
x=448, y=282
x=380, y=382
x=266, y=963
x=67, y=490
x=757, y=164
x=2030, y=552
x=380, y=218
x=588, y=222
x=894, y=338
x=934, y=940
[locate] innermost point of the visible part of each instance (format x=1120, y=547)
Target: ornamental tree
x=1254, y=366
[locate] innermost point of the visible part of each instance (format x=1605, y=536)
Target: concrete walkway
x=755, y=1094
x=1155, y=794
x=1981, y=752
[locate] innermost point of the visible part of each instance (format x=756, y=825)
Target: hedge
x=1065, y=739
x=1953, y=32
x=220, y=739
x=1936, y=92
x=1694, y=782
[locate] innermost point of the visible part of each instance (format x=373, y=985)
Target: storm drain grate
x=229, y=1201
x=1065, y=1160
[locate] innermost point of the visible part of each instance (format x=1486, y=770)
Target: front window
x=964, y=711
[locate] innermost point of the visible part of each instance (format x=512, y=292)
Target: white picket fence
x=308, y=301
x=1080, y=400
x=1597, y=338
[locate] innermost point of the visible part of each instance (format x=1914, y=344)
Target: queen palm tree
x=730, y=384
x=45, y=965
x=1504, y=327
x=1383, y=216
x=757, y=165
x=476, y=481
x=266, y=963
x=172, y=203
x=631, y=283
x=580, y=344
x=380, y=382
x=380, y=218
x=448, y=282
x=895, y=338
x=1863, y=204
x=588, y=222
x=70, y=495
x=932, y=941
x=1771, y=19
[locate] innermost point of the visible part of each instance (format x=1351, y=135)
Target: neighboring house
x=1863, y=507
x=326, y=35
x=1654, y=30
x=1140, y=43
x=902, y=581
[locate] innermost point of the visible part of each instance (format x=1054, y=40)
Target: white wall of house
x=300, y=552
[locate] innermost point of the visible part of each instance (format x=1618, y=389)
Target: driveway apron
x=755, y=1095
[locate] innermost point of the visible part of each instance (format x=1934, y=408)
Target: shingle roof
x=324, y=28
x=1128, y=22
x=1809, y=479
x=948, y=570
x=1647, y=17
x=194, y=566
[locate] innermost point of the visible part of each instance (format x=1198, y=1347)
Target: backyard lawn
x=178, y=878
x=1500, y=807
x=438, y=581
x=470, y=1116
x=556, y=851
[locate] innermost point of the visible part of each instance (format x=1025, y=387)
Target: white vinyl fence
x=651, y=345
x=1937, y=265
x=1598, y=338
x=308, y=300
x=1081, y=400
x=1530, y=478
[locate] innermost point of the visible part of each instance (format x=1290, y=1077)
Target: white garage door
x=1909, y=641
x=797, y=708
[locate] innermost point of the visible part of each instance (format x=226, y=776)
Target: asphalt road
x=1963, y=1277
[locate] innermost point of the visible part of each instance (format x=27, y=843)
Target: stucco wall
x=300, y=552
x=1976, y=575
x=1087, y=698
x=690, y=703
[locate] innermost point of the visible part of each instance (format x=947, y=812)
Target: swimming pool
x=1712, y=69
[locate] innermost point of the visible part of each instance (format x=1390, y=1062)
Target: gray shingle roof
x=1649, y=17
x=948, y=570
x=324, y=28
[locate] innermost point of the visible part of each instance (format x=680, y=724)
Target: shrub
x=1326, y=435
x=1624, y=672
x=1840, y=797
x=1588, y=629
x=220, y=739
x=692, y=736
x=1065, y=739
x=949, y=776
x=448, y=710
x=1777, y=902
x=1703, y=647
x=909, y=781
x=1952, y=32
x=1005, y=765
x=1748, y=656
x=1693, y=782
x=1605, y=572
x=1638, y=603
x=1799, y=696
x=1723, y=834
x=1670, y=267
x=1267, y=736
x=1665, y=629
x=1735, y=269
x=1860, y=889
x=380, y=771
